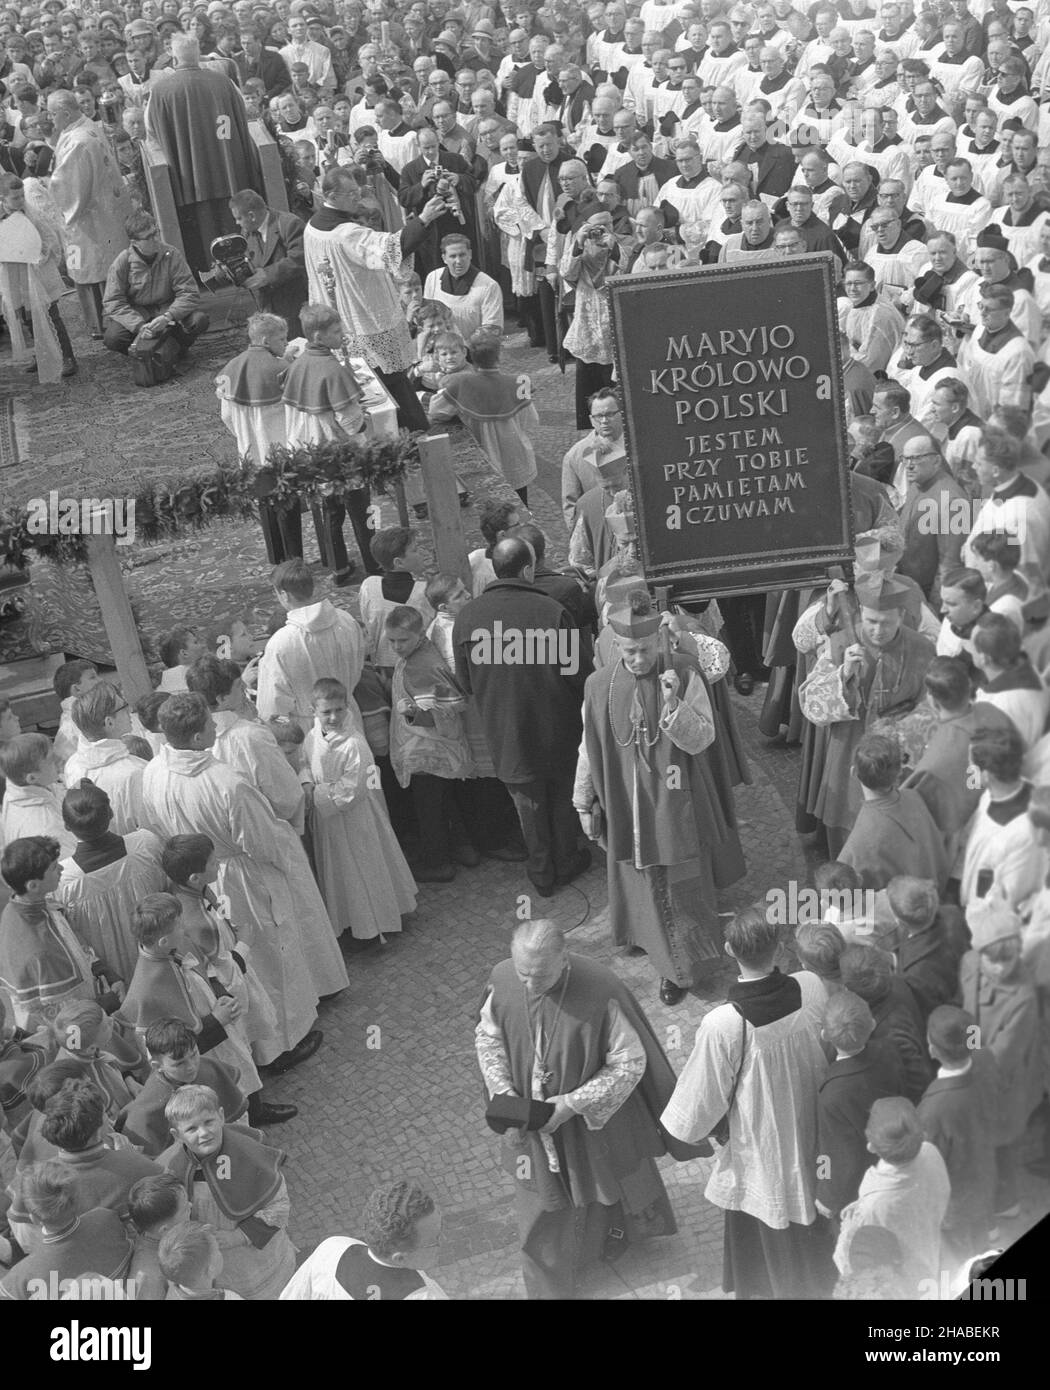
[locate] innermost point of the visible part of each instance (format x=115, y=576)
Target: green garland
x=311, y=473
x=171, y=507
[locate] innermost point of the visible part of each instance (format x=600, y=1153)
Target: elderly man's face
x=942, y=255
x=135, y=125
x=428, y=145
x=925, y=98
x=814, y=171
x=439, y=84
x=572, y=181
x=754, y=133
x=508, y=149
x=444, y=118
x=799, y=206
x=984, y=128
x=990, y=264
x=821, y=91
x=755, y=225
x=885, y=66
x=790, y=241
x=856, y=182
x=1018, y=195
x=647, y=227
x=887, y=228
x=538, y=971
x=732, y=201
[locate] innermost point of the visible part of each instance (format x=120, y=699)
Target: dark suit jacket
x=283, y=262
x=530, y=713
x=774, y=170
x=532, y=175
x=844, y=1102
x=270, y=68
x=413, y=197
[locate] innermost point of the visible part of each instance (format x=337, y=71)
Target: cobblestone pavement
x=395, y=1091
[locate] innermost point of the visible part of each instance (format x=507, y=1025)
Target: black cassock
x=198, y=119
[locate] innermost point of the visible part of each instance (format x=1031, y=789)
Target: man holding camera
x=275, y=250
x=152, y=303
x=440, y=173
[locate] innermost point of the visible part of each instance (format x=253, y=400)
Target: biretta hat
x=881, y=591
x=992, y=237
x=635, y=618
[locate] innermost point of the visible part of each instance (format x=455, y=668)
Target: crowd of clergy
x=187, y=879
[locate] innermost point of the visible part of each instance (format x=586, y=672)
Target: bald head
x=513, y=559
x=539, y=955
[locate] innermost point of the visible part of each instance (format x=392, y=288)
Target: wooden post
x=446, y=521
x=104, y=568
x=402, y=503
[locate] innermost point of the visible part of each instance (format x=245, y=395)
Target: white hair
x=542, y=937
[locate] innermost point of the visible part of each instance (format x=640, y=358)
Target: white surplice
x=116, y=772
x=317, y=640
x=365, y=878
x=100, y=904
x=251, y=749
x=34, y=811
x=190, y=792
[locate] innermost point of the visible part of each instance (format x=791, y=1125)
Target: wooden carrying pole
x=439, y=483
x=104, y=568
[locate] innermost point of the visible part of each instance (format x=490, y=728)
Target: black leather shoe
x=744, y=682
x=580, y=864
x=343, y=577
x=299, y=1053
x=264, y=1112
x=670, y=993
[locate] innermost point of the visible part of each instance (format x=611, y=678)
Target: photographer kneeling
x=152, y=304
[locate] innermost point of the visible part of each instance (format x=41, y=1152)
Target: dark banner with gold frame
x=735, y=424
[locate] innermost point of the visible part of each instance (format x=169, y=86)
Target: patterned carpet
x=100, y=435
